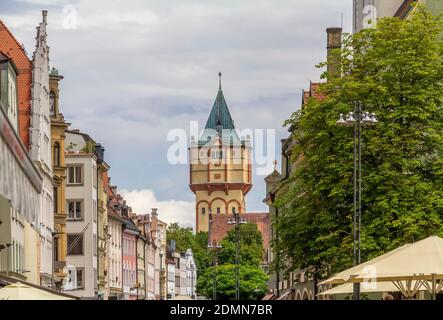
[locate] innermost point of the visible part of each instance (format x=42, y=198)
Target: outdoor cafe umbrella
x=421, y=261
x=178, y=297
x=343, y=276
x=348, y=288
x=21, y=291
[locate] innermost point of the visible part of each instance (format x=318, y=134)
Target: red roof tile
x=14, y=51
x=220, y=226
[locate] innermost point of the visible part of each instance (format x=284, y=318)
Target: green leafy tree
x=395, y=71
x=251, y=246
x=253, y=283
x=186, y=239
x=183, y=237
x=252, y=278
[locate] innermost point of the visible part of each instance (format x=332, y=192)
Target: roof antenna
x=219, y=81
x=342, y=20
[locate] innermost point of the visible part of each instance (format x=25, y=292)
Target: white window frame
x=82, y=209
x=75, y=168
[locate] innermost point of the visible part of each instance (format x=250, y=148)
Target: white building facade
x=183, y=275
x=160, y=278
x=40, y=148
x=81, y=202
x=115, y=256
x=171, y=279
x=150, y=271
x=191, y=275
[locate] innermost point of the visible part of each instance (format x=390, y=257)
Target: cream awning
x=344, y=276
x=21, y=291
x=178, y=297
x=348, y=288
x=421, y=260
x=408, y=268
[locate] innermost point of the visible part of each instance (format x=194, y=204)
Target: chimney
x=154, y=212
x=334, y=43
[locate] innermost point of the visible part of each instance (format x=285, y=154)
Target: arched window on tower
x=56, y=154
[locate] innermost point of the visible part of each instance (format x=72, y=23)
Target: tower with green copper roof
x=220, y=166
x=220, y=122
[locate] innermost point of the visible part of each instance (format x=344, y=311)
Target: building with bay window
x=115, y=226
x=82, y=160
x=40, y=149
x=22, y=223
x=20, y=187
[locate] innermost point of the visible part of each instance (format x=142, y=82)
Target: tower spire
x=219, y=81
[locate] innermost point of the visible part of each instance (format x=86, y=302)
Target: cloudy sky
x=135, y=69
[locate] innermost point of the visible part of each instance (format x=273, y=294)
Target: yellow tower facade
x=220, y=166
x=58, y=127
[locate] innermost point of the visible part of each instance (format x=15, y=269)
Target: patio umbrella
x=422, y=260
x=21, y=291
x=408, y=268
x=343, y=276
x=348, y=288
x=178, y=297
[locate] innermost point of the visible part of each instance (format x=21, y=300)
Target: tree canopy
x=185, y=239
x=394, y=70
x=253, y=280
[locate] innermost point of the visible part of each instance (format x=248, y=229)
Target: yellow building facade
x=58, y=127
x=220, y=166
x=103, y=229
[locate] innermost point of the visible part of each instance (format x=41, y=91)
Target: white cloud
x=142, y=201
x=134, y=69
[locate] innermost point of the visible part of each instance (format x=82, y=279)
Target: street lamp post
x=237, y=221
x=357, y=119
x=215, y=247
